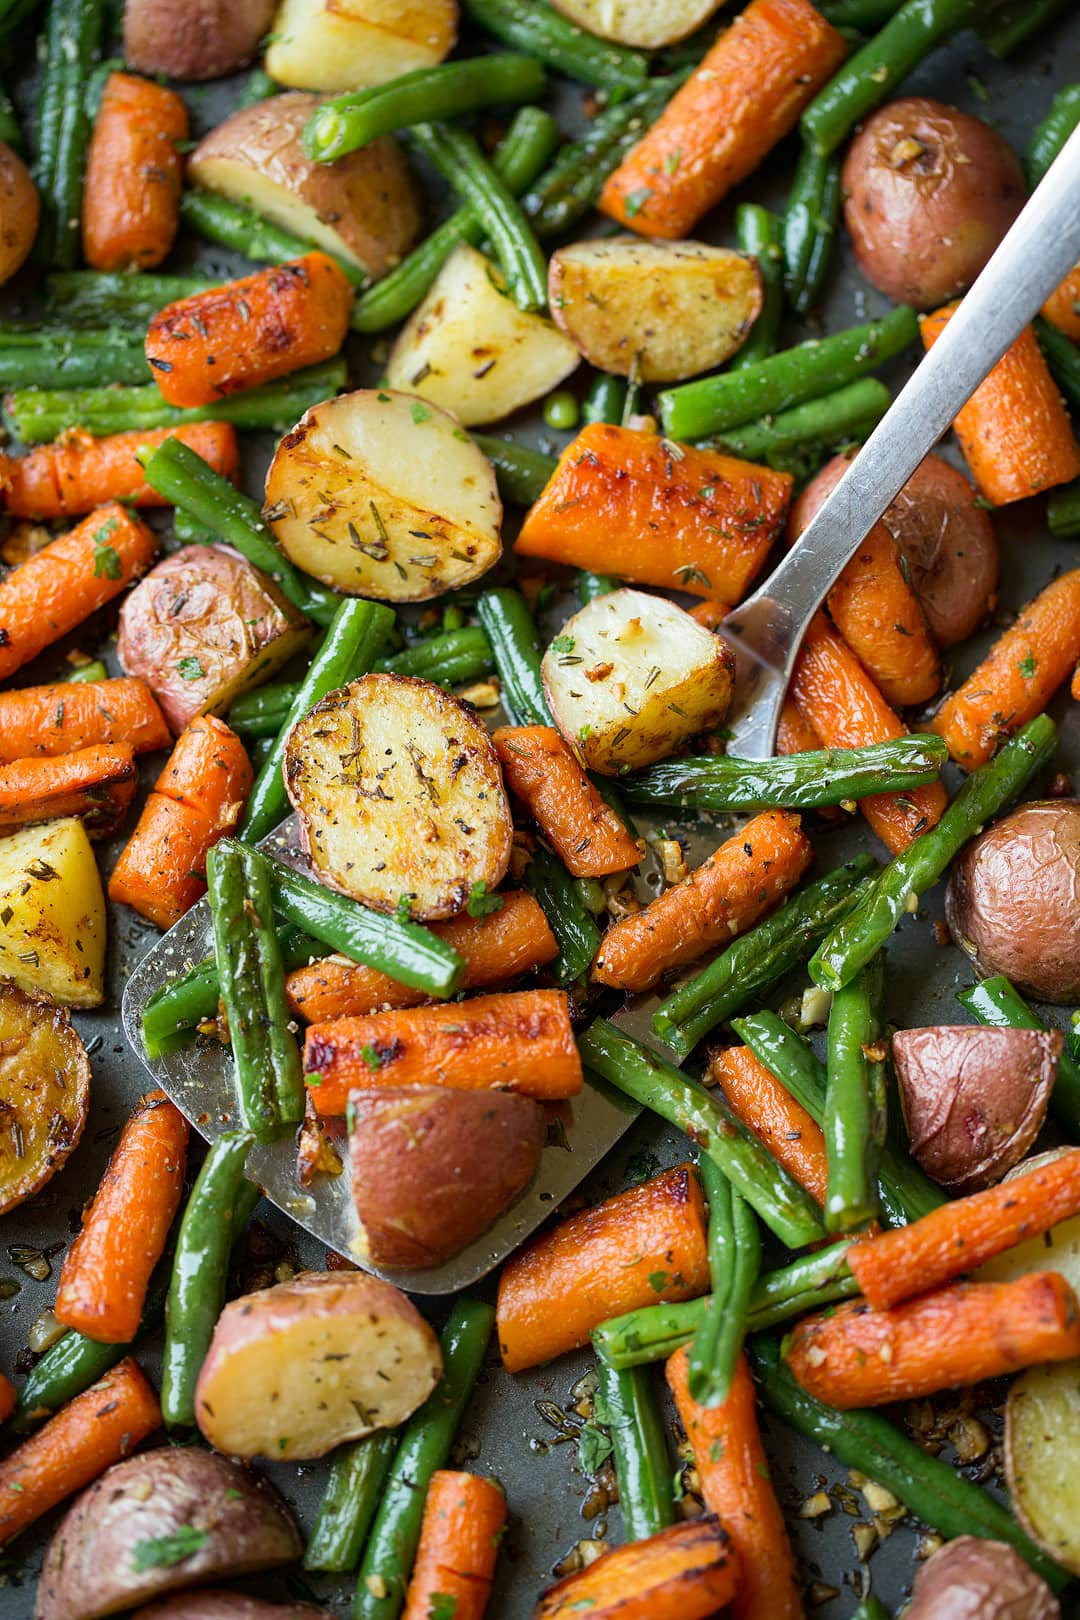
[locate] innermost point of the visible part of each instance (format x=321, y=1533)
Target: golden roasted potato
x=350, y=44
x=1042, y=1433
x=1056, y=1250
x=19, y=212
x=645, y=23
x=52, y=913
x=44, y=1092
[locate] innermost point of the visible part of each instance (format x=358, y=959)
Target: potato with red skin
x=929, y=192
x=974, y=1579
x=950, y=548
x=228, y=1605
x=193, y=39
x=1013, y=901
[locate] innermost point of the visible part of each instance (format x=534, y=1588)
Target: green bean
x=10, y=132
x=423, y=1448
x=871, y=1608
x=1063, y=358
x=96, y=297
x=244, y=230
x=734, y=1261
x=590, y=586
x=870, y=76
x=995, y=1001
x=13, y=13
x=94, y=88
x=783, y=1205
x=1050, y=136
x=812, y=207
x=758, y=232
x=1063, y=511
x=188, y=532
x=987, y=791
x=521, y=473
x=94, y=671
x=44, y=355
x=625, y=1403
x=515, y=647
x=72, y=37
x=349, y=1502
x=855, y=1106
x=200, y=1273
x=347, y=122
x=568, y=917
x=538, y=30
x=843, y=417
x=448, y=659
x=759, y=958
x=864, y=15
x=262, y=713
x=697, y=410
x=605, y=400
x=1011, y=23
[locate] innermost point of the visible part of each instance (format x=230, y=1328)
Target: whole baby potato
x=227, y=1605
x=974, y=1579
x=194, y=39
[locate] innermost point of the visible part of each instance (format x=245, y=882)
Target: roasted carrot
x=96, y=783
x=93, y=1431
x=496, y=949
x=727, y=894
x=249, y=331
x=134, y=175
x=795, y=734
x=197, y=799
x=520, y=1040
x=744, y=98
x=1014, y=430
x=710, y=613
x=1062, y=308
x=586, y=833
x=776, y=1119
x=464, y=1518
x=58, y=587
x=59, y=719
x=79, y=472
x=686, y=1572
x=1017, y=678
x=619, y=502
x=852, y=1355
x=962, y=1234
x=734, y=1476
x=7, y=1398
x=836, y=696
x=643, y=1245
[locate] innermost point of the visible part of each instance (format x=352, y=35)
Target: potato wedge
x=631, y=676
x=469, y=348
x=363, y=208
x=297, y=1369
x=227, y=1605
x=52, y=913
x=44, y=1092
x=381, y=494
x=972, y=1576
x=1056, y=1250
x=1042, y=1434
x=672, y=309
x=646, y=23
x=19, y=209
x=350, y=44
x=400, y=795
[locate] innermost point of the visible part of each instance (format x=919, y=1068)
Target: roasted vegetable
x=1042, y=1429
x=19, y=209
x=52, y=913
x=44, y=1092
x=970, y=1576
x=193, y=39
x=324, y=45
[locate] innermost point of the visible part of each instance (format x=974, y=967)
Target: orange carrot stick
x=464, y=1518
x=1014, y=430
x=96, y=1429
x=197, y=799
x=7, y=1398
x=1062, y=308
x=79, y=472
x=744, y=98
x=853, y=1355
x=96, y=783
x=619, y=502
x=1075, y=687
x=710, y=613
x=962, y=1234
x=134, y=175
x=1017, y=678
x=249, y=331
x=726, y=895
x=584, y=831
x=520, y=1040
x=643, y=1245
x=734, y=1477
x=58, y=587
x=496, y=949
x=776, y=1119
x=839, y=700
x=69, y=715
x=686, y=1572
x=795, y=734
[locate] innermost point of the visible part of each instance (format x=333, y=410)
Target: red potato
x=975, y=1579
x=228, y=1605
x=295, y=1370
x=950, y=548
x=194, y=39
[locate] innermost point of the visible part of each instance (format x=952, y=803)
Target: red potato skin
x=975, y=1579
x=210, y=1604
x=194, y=39
x=950, y=548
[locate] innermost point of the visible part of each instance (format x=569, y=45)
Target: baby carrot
x=464, y=1518
x=710, y=613
x=249, y=331
x=686, y=1572
x=53, y=591
x=134, y=175
x=725, y=896
x=584, y=831
x=638, y=1248
x=96, y=783
x=520, y=1040
x=744, y=98
x=1014, y=430
x=852, y=1355
x=71, y=715
x=768, y=1109
x=1062, y=308
x=1017, y=678
x=795, y=734
x=106, y=1271
x=78, y=472
x=93, y=1431
x=734, y=1477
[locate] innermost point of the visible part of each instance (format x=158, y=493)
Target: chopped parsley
x=161, y=1552
x=482, y=904
x=107, y=564
x=189, y=669
x=594, y=1448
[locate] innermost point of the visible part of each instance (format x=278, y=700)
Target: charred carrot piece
x=464, y=1518
x=584, y=831
x=249, y=331
x=725, y=896
x=853, y=1355
x=1062, y=308
x=838, y=699
x=520, y=1040
x=72, y=715
x=79, y=472
x=7, y=1398
x=962, y=1234
x=619, y=502
x=96, y=783
x=746, y=96
x=106, y=1271
x=96, y=1429
x=643, y=1245
x=1017, y=678
x=734, y=1475
x=795, y=734
x=53, y=591
x=134, y=175
x=686, y=1572
x=1014, y=430
x=768, y=1109
x=496, y=949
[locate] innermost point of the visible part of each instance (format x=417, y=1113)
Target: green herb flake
x=189, y=669
x=420, y=412
x=716, y=1451
x=371, y=1057
x=107, y=564
x=1027, y=666
x=634, y=201
x=672, y=160
x=594, y=1448
x=641, y=1167
x=442, y=1606
x=162, y=1552
x=482, y=904
x=658, y=1281
x=563, y=644
x=403, y=909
